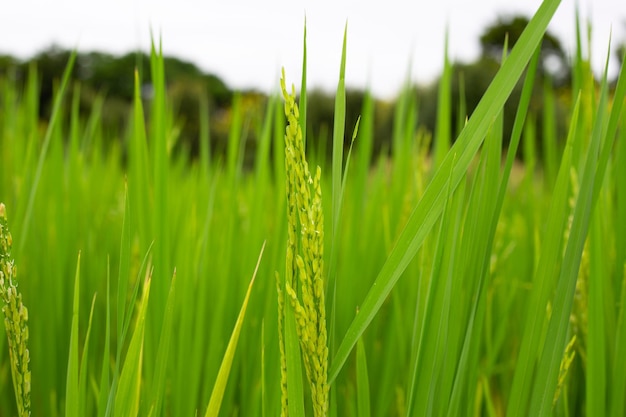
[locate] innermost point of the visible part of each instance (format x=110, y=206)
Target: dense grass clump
x=462, y=282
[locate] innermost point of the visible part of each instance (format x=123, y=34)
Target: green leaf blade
x=429, y=207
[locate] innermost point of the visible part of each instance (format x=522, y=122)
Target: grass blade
x=158, y=390
x=295, y=386
x=430, y=206
x=159, y=129
x=432, y=339
x=138, y=184
x=71, y=385
x=338, y=178
x=444, y=110
x=123, y=271
x=611, y=130
x=596, y=337
x=84, y=361
x=104, y=393
x=204, y=134
x=549, y=132
x=339, y=123
x=222, y=377
x=127, y=396
x=548, y=262
x=362, y=381
x=549, y=364
x=618, y=379
x=54, y=118
x=303, y=100
x=617, y=400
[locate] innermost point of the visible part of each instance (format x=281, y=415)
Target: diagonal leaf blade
x=431, y=205
x=222, y=376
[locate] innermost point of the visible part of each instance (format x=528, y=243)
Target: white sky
x=246, y=42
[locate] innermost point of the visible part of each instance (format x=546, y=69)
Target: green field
x=448, y=276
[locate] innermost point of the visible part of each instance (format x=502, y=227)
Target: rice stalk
x=15, y=320
x=566, y=362
x=284, y=411
x=304, y=213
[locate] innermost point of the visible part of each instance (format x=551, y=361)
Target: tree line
x=99, y=75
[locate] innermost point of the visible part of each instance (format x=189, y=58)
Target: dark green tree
x=98, y=75
x=8, y=64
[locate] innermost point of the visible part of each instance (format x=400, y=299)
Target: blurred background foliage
x=106, y=78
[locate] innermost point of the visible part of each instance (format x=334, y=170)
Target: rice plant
x=15, y=320
x=443, y=276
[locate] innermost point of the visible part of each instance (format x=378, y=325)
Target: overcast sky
x=246, y=42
